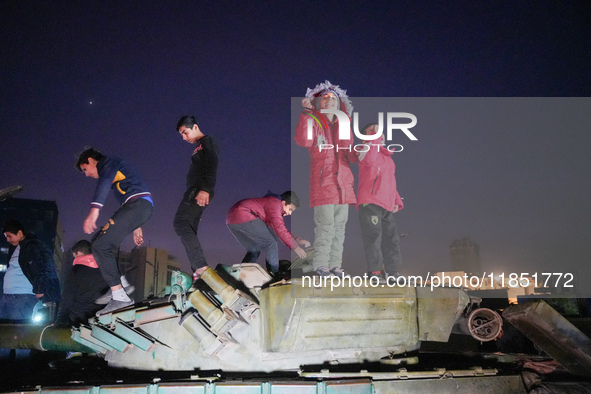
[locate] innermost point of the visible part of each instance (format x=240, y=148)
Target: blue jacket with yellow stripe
x=116, y=174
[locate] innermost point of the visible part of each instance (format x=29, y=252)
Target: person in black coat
x=84, y=284
x=31, y=275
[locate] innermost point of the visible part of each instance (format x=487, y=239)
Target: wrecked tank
x=237, y=320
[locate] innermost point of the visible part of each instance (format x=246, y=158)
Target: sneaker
x=393, y=275
x=379, y=275
x=272, y=270
x=70, y=355
x=323, y=271
x=114, y=305
x=199, y=271
x=196, y=276
x=105, y=298
x=338, y=271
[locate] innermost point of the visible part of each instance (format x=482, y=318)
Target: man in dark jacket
x=30, y=277
x=135, y=209
x=201, y=180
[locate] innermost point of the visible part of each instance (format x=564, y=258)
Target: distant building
x=39, y=217
x=465, y=256
x=149, y=270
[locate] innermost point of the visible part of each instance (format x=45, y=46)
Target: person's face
x=288, y=208
x=14, y=239
x=371, y=130
x=90, y=169
x=189, y=134
x=329, y=101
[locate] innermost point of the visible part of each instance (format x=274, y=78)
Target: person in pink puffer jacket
x=377, y=201
x=331, y=179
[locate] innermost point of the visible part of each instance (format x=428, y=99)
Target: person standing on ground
x=30, y=277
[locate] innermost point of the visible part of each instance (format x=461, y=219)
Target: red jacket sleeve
x=301, y=136
x=274, y=219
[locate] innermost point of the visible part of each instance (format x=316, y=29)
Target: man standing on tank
x=136, y=206
x=201, y=180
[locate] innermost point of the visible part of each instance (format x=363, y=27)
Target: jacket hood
x=314, y=95
x=270, y=193
x=87, y=260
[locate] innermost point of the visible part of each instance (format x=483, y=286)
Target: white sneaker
x=105, y=298
x=114, y=305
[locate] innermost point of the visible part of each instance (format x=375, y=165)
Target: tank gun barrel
x=30, y=336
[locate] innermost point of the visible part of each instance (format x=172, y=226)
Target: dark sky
x=118, y=75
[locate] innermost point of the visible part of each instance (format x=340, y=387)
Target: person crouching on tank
x=256, y=222
x=83, y=286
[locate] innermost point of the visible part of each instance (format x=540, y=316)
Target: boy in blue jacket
x=135, y=209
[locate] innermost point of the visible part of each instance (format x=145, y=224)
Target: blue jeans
x=256, y=237
x=17, y=307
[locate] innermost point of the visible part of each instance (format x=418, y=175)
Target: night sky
x=118, y=75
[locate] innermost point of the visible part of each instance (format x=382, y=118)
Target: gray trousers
x=256, y=237
x=329, y=235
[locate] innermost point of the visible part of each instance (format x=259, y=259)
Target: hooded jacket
x=331, y=179
x=38, y=266
x=87, y=260
x=84, y=284
x=377, y=180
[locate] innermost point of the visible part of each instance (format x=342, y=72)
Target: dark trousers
x=186, y=225
x=105, y=243
x=256, y=237
x=380, y=239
